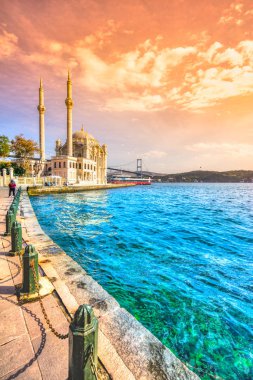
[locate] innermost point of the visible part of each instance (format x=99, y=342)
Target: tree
x=18, y=170
x=24, y=150
x=5, y=165
x=4, y=146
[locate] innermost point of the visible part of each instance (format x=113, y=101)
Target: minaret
x=41, y=109
x=69, y=105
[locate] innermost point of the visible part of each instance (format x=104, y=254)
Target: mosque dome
x=81, y=135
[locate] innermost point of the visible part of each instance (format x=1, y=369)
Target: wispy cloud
x=222, y=149
x=236, y=14
x=154, y=154
x=8, y=44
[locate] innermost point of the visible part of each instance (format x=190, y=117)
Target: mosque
x=81, y=159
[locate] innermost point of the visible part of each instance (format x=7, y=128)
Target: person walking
x=12, y=188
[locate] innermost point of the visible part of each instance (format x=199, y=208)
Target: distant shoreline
x=232, y=176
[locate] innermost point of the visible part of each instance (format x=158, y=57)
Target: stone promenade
x=28, y=349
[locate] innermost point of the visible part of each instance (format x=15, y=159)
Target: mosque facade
x=81, y=159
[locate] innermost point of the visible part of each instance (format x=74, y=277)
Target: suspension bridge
x=134, y=168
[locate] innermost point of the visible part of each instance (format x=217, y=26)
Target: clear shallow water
x=179, y=257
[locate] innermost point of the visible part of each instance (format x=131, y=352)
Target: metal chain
x=93, y=366
x=60, y=336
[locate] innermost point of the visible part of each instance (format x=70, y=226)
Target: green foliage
x=19, y=170
x=4, y=146
x=5, y=165
x=24, y=148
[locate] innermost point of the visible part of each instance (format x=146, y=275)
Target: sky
x=168, y=81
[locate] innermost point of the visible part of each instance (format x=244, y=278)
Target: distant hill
x=207, y=176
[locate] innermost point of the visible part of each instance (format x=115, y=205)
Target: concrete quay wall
x=72, y=189
x=126, y=348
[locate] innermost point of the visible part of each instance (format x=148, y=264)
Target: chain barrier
x=60, y=336
x=92, y=364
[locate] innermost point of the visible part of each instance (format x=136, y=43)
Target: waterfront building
x=81, y=159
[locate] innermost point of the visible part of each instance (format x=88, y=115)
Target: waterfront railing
x=83, y=329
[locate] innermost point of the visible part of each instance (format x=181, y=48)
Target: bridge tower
x=139, y=167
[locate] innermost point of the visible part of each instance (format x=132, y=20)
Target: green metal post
x=14, y=206
x=17, y=195
x=16, y=238
x=13, y=210
x=30, y=261
x=10, y=217
x=83, y=341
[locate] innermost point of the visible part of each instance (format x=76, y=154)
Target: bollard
x=16, y=238
x=83, y=341
x=15, y=199
x=14, y=205
x=10, y=217
x=13, y=209
x=18, y=193
x=30, y=261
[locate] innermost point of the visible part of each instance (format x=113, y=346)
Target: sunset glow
x=167, y=81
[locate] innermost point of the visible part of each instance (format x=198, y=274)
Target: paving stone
x=53, y=360
x=12, y=323
x=9, y=302
x=15, y=354
x=29, y=373
x=54, y=313
x=15, y=269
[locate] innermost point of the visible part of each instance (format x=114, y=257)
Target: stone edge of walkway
x=126, y=348
x=42, y=190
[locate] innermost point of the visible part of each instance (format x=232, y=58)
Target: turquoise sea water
x=179, y=257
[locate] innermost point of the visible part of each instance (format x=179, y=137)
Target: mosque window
x=80, y=166
x=64, y=164
x=55, y=165
x=70, y=164
x=59, y=165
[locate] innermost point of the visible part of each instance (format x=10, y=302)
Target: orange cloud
x=236, y=14
x=150, y=77
x=8, y=43
x=190, y=60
